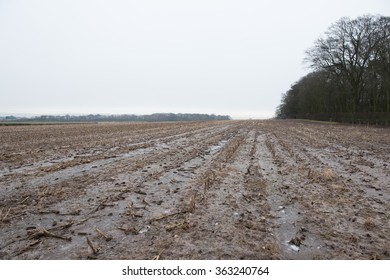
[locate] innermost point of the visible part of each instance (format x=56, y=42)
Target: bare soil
x=199, y=190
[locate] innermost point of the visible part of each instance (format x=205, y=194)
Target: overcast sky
x=115, y=57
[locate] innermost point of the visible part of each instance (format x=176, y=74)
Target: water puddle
x=216, y=148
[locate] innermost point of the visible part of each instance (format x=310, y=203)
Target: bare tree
x=348, y=49
x=351, y=77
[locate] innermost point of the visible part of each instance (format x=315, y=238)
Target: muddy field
x=199, y=190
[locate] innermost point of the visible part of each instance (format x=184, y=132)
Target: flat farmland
x=198, y=190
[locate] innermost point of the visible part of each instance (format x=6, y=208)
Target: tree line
x=350, y=78
x=157, y=117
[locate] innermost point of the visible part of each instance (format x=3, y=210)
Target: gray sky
x=114, y=57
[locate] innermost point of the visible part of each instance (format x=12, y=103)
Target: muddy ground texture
x=199, y=190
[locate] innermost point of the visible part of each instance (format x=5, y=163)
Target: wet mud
x=198, y=190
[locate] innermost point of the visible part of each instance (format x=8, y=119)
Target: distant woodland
x=350, y=78
x=159, y=117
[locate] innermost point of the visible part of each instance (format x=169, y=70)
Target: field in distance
x=195, y=190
